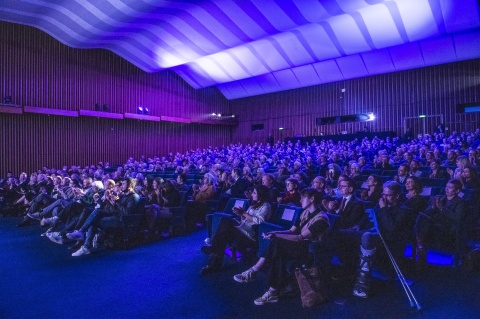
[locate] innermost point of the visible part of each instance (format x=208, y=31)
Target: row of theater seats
x=322, y=253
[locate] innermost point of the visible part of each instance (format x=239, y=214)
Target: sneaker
x=34, y=216
x=76, y=235
x=82, y=251
x=55, y=237
x=49, y=221
x=246, y=276
x=268, y=297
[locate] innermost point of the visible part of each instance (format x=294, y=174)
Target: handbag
x=312, y=286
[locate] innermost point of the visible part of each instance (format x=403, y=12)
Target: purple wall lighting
x=241, y=46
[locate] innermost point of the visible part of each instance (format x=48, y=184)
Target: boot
x=213, y=266
x=362, y=283
x=421, y=254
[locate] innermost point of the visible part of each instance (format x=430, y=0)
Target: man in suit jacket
x=349, y=225
x=239, y=185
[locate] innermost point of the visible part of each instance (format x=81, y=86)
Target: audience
x=87, y=201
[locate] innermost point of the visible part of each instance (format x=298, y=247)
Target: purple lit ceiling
x=252, y=47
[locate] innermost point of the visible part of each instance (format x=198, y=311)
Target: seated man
x=349, y=224
x=239, y=185
x=403, y=173
x=395, y=224
x=124, y=203
x=444, y=218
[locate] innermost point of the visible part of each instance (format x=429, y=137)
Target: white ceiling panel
x=407, y=56
x=438, y=51
x=328, y=71
x=217, y=42
x=252, y=87
x=352, y=66
x=378, y=62
x=268, y=83
x=467, y=46
x=286, y=79
x=306, y=75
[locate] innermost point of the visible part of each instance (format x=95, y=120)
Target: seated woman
x=231, y=229
x=287, y=245
x=469, y=178
x=163, y=196
x=461, y=162
x=374, y=191
x=436, y=170
x=355, y=172
x=291, y=196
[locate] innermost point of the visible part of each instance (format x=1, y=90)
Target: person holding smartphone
x=240, y=230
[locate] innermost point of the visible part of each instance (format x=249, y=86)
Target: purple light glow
x=262, y=46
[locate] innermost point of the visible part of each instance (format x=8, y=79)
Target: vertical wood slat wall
x=36, y=70
x=391, y=97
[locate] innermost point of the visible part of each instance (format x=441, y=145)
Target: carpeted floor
x=39, y=279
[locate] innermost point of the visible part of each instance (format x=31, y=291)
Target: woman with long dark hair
x=239, y=230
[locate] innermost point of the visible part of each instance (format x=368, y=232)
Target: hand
x=268, y=235
x=238, y=211
x=450, y=171
x=382, y=203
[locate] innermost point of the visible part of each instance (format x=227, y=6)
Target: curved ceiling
x=252, y=47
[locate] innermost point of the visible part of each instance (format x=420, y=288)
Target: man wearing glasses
x=351, y=217
x=395, y=222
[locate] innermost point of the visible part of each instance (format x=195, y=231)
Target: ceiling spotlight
x=140, y=110
x=233, y=115
x=371, y=117
x=219, y=115
x=145, y=110
x=214, y=114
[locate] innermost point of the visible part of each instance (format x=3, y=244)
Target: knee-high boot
x=362, y=283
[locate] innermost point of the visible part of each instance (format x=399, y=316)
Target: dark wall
x=396, y=99
x=37, y=70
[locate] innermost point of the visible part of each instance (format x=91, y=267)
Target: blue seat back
x=286, y=216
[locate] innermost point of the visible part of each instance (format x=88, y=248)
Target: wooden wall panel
x=36, y=70
x=391, y=97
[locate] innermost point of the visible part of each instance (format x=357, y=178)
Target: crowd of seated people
x=421, y=189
